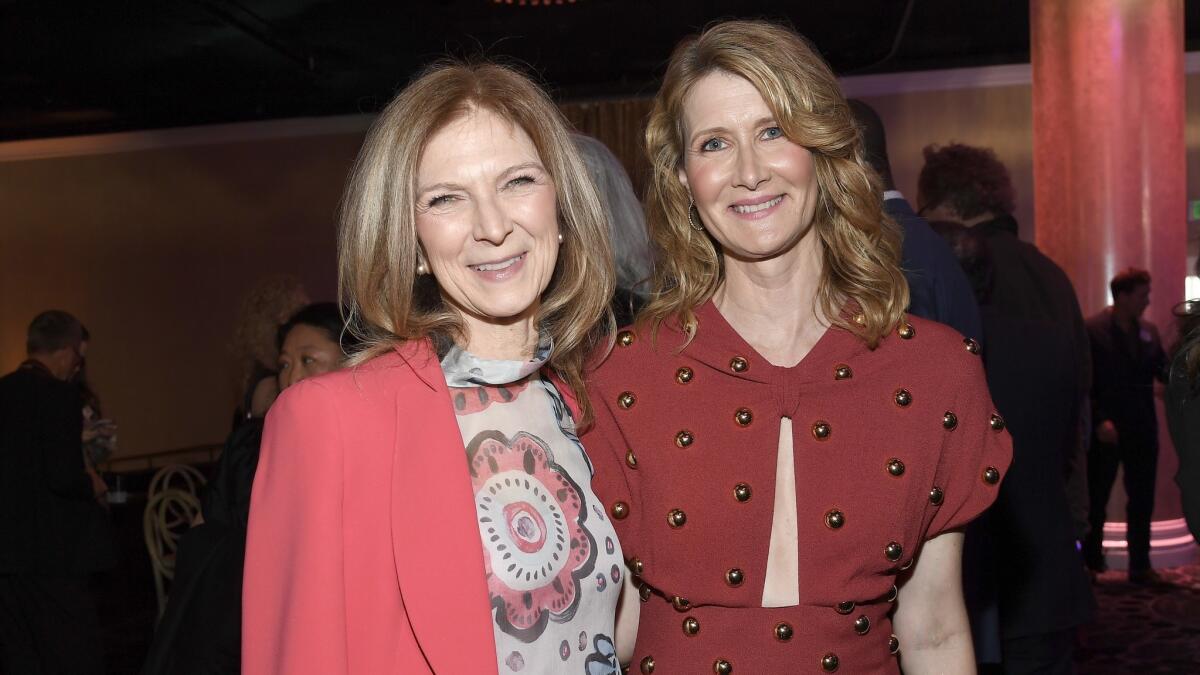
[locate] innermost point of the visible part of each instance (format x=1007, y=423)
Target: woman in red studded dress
x=789, y=461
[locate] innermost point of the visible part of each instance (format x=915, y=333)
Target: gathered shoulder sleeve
x=293, y=602
x=976, y=449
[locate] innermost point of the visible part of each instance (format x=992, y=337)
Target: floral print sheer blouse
x=553, y=563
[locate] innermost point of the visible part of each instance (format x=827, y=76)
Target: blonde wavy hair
x=860, y=244
x=386, y=302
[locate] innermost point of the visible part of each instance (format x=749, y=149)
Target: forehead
x=477, y=139
x=720, y=97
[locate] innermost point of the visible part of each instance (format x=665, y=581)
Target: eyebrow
x=768, y=119
x=507, y=172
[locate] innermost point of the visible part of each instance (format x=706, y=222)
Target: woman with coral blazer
x=430, y=509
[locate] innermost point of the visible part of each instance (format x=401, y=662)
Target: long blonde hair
x=386, y=302
x=861, y=245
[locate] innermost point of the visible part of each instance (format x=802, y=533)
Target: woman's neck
x=772, y=303
x=515, y=341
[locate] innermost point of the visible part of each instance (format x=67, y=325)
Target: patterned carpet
x=1144, y=629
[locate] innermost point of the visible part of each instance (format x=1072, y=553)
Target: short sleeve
x=976, y=452
x=606, y=447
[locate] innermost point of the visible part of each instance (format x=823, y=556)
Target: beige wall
x=151, y=238
x=152, y=250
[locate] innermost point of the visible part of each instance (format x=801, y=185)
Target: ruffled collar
x=464, y=369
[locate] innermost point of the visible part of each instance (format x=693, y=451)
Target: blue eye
x=712, y=144
x=521, y=180
x=773, y=132
x=439, y=201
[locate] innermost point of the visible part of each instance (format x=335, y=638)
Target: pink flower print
x=532, y=517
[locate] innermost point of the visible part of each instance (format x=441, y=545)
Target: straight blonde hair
x=860, y=244
x=386, y=302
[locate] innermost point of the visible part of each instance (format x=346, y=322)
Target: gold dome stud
x=893, y=551
x=997, y=422
x=783, y=631
x=738, y=364
x=845, y=607
x=821, y=430
x=734, y=577
x=743, y=417
x=949, y=420
x=676, y=518
x=835, y=519
x=684, y=438
x=830, y=663
x=625, y=338
x=893, y=644
x=862, y=625
x=644, y=592
x=680, y=604
x=842, y=372
x=631, y=459
x=741, y=492
x=936, y=495
x=691, y=626
x=684, y=375
x=906, y=331
x=636, y=565
x=626, y=400
x=648, y=665
x=902, y=398
x=619, y=510
x=895, y=467
x=971, y=345
x=991, y=475
x=722, y=667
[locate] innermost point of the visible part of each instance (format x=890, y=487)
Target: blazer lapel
x=435, y=536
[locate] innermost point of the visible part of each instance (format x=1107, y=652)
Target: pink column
x=1109, y=163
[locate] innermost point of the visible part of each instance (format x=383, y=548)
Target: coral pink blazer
x=363, y=553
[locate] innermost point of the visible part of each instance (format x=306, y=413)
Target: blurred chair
x=176, y=476
x=172, y=506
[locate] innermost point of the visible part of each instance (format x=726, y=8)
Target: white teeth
x=758, y=207
x=492, y=267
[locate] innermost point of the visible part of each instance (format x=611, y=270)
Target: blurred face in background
x=307, y=351
x=1134, y=302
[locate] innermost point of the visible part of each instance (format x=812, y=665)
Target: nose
x=751, y=172
x=492, y=223
x=287, y=378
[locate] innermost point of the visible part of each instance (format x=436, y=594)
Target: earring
x=691, y=207
x=421, y=269
x=560, y=237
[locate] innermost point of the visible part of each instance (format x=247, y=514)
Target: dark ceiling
x=96, y=66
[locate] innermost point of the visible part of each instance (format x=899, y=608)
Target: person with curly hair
x=788, y=457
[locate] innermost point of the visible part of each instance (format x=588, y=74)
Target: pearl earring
x=560, y=237
x=421, y=269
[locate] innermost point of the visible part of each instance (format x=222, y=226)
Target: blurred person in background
x=263, y=310
x=1127, y=357
x=1043, y=594
x=627, y=226
x=49, y=542
x=200, y=630
x=1183, y=409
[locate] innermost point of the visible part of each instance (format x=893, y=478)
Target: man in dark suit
x=1127, y=356
x=48, y=506
x=937, y=287
x=1037, y=370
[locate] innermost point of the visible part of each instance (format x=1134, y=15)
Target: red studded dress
x=892, y=447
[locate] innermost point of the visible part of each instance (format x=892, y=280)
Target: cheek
x=705, y=178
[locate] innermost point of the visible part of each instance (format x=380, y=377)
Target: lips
x=499, y=265
x=747, y=209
